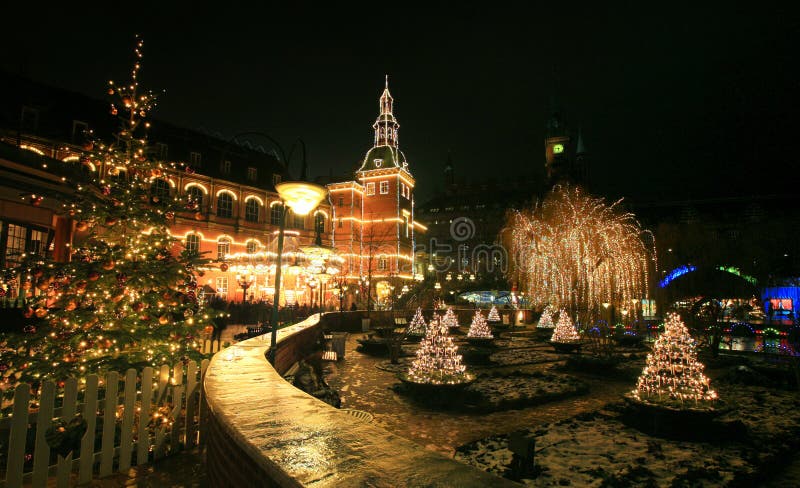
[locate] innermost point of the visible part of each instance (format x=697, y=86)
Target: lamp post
x=301, y=197
x=245, y=281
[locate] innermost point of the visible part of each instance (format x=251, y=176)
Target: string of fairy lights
x=479, y=328
x=565, y=330
x=576, y=252
x=438, y=361
x=417, y=326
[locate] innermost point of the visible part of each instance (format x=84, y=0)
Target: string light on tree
x=494, y=315
x=417, y=325
x=565, y=330
x=128, y=296
x=438, y=361
x=672, y=374
x=450, y=319
x=479, y=328
x=546, y=320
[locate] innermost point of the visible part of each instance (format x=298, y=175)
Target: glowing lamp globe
x=302, y=197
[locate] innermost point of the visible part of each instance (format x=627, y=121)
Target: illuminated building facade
x=373, y=224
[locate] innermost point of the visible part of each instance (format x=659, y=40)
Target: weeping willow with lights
x=672, y=374
x=128, y=297
x=574, y=251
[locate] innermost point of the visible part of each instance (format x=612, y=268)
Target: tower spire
x=386, y=126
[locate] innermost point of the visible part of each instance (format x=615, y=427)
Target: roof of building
x=380, y=157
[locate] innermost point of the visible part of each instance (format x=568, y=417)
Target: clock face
x=558, y=148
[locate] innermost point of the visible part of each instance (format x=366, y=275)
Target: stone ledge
x=273, y=434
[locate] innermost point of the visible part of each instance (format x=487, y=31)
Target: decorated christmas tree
x=493, y=316
x=450, y=319
x=565, y=330
x=437, y=361
x=479, y=328
x=546, y=320
x=128, y=295
x=672, y=374
x=417, y=325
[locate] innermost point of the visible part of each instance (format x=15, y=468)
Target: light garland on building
x=565, y=330
x=672, y=374
x=479, y=328
x=438, y=361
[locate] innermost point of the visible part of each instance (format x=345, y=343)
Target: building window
x=225, y=167
x=299, y=221
x=276, y=213
x=433, y=210
x=195, y=194
x=223, y=248
x=341, y=201
x=276, y=179
x=384, y=187
x=222, y=286
x=21, y=240
x=195, y=159
x=159, y=190
x=252, y=247
x=251, y=210
x=382, y=264
x=193, y=244
x=161, y=151
x=225, y=205
x=341, y=223
x=370, y=189
x=319, y=223
x=378, y=162
x=252, y=173
x=405, y=224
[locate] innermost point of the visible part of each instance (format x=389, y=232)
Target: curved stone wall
x=261, y=431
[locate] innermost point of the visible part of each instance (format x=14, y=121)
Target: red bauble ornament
x=109, y=265
x=223, y=267
x=169, y=215
x=88, y=146
x=189, y=170
x=110, y=221
x=93, y=275
x=81, y=226
x=106, y=190
x=198, y=216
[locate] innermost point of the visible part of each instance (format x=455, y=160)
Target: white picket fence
x=210, y=347
x=155, y=413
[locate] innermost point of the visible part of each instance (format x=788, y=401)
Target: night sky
x=685, y=102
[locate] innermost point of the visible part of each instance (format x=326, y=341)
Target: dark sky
x=685, y=102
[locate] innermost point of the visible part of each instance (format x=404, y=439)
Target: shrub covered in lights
x=479, y=328
x=565, y=330
x=546, y=320
x=437, y=361
x=417, y=325
x=128, y=297
x=493, y=316
x=672, y=375
x=450, y=319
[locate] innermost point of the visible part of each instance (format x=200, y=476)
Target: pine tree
x=565, y=330
x=417, y=325
x=479, y=328
x=672, y=374
x=450, y=319
x=128, y=296
x=437, y=361
x=546, y=320
x=493, y=316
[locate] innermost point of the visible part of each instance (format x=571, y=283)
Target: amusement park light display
x=450, y=319
x=479, y=328
x=438, y=361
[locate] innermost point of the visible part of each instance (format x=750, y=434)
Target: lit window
x=405, y=224
x=384, y=187
x=252, y=246
x=341, y=223
x=370, y=189
x=382, y=264
x=276, y=214
x=299, y=221
x=225, y=167
x=252, y=173
x=319, y=223
x=225, y=205
x=222, y=286
x=195, y=159
x=195, y=194
x=223, y=248
x=341, y=201
x=378, y=162
x=15, y=245
x=159, y=189
x=193, y=244
x=251, y=210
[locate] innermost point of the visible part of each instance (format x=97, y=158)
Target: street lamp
x=301, y=197
x=245, y=281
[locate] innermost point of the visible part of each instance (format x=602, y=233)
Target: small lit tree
x=546, y=320
x=493, y=316
x=565, y=330
x=438, y=361
x=479, y=328
x=672, y=374
x=417, y=325
x=450, y=319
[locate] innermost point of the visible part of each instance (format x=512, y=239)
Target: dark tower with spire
x=556, y=145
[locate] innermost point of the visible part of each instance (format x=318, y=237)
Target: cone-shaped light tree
x=672, y=374
x=438, y=361
x=493, y=316
x=546, y=320
x=450, y=319
x=417, y=325
x=128, y=296
x=479, y=328
x=565, y=330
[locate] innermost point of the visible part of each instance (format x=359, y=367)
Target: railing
x=64, y=430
